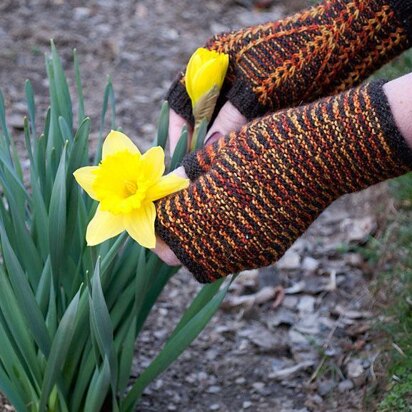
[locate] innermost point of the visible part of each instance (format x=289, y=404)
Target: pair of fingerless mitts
x=255, y=191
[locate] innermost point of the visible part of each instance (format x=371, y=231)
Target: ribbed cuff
x=403, y=10
x=395, y=140
x=192, y=167
x=179, y=100
x=200, y=161
x=245, y=100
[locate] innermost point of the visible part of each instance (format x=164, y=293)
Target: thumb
x=176, y=123
x=228, y=119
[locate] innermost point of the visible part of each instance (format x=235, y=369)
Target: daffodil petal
x=206, y=69
x=140, y=225
x=152, y=164
x=208, y=76
x=85, y=177
x=195, y=62
x=168, y=184
x=203, y=80
x=117, y=142
x=103, y=226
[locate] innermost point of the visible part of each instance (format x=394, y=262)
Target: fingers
x=229, y=119
x=161, y=249
x=176, y=123
x=165, y=253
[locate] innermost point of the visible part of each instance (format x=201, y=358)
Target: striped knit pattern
x=268, y=182
x=320, y=51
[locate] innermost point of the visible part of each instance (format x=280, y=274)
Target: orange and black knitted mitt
x=320, y=51
x=256, y=191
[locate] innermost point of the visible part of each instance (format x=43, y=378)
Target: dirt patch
x=315, y=351
x=306, y=343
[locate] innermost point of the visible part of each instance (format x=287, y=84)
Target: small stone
x=214, y=407
x=308, y=324
x=287, y=373
x=325, y=387
x=290, y=302
x=148, y=128
x=244, y=344
x=282, y=316
x=211, y=354
x=355, y=368
x=202, y=376
x=246, y=404
x=289, y=261
x=356, y=372
x=265, y=340
x=258, y=386
x=214, y=389
x=345, y=386
x=354, y=259
x=177, y=398
x=240, y=381
x=358, y=230
x=163, y=311
x=81, y=13
x=306, y=304
x=171, y=407
x=160, y=334
x=158, y=384
x=310, y=264
x=314, y=401
x=366, y=364
x=16, y=121
x=190, y=379
x=297, y=338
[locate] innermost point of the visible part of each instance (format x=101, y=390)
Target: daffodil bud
x=205, y=74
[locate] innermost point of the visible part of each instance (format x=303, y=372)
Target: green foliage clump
x=399, y=393
x=70, y=314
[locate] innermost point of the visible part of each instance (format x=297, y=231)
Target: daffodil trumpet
x=126, y=184
x=205, y=74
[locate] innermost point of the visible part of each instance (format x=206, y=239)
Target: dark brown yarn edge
x=173, y=242
x=403, y=11
x=394, y=137
x=179, y=100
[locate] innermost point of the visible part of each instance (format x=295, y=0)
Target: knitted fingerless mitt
x=263, y=186
x=320, y=51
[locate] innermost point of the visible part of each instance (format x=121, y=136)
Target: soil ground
x=294, y=337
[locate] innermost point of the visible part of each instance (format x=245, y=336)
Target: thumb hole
x=228, y=119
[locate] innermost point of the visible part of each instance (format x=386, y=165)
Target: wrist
x=399, y=94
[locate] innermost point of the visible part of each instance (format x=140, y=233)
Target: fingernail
x=214, y=137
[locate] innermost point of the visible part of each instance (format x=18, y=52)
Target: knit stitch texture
x=320, y=51
x=256, y=191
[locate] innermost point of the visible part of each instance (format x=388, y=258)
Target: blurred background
x=140, y=44
x=298, y=336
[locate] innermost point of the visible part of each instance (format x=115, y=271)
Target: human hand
x=229, y=119
x=255, y=191
x=320, y=51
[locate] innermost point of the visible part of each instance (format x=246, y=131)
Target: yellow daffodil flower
x=205, y=73
x=126, y=183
